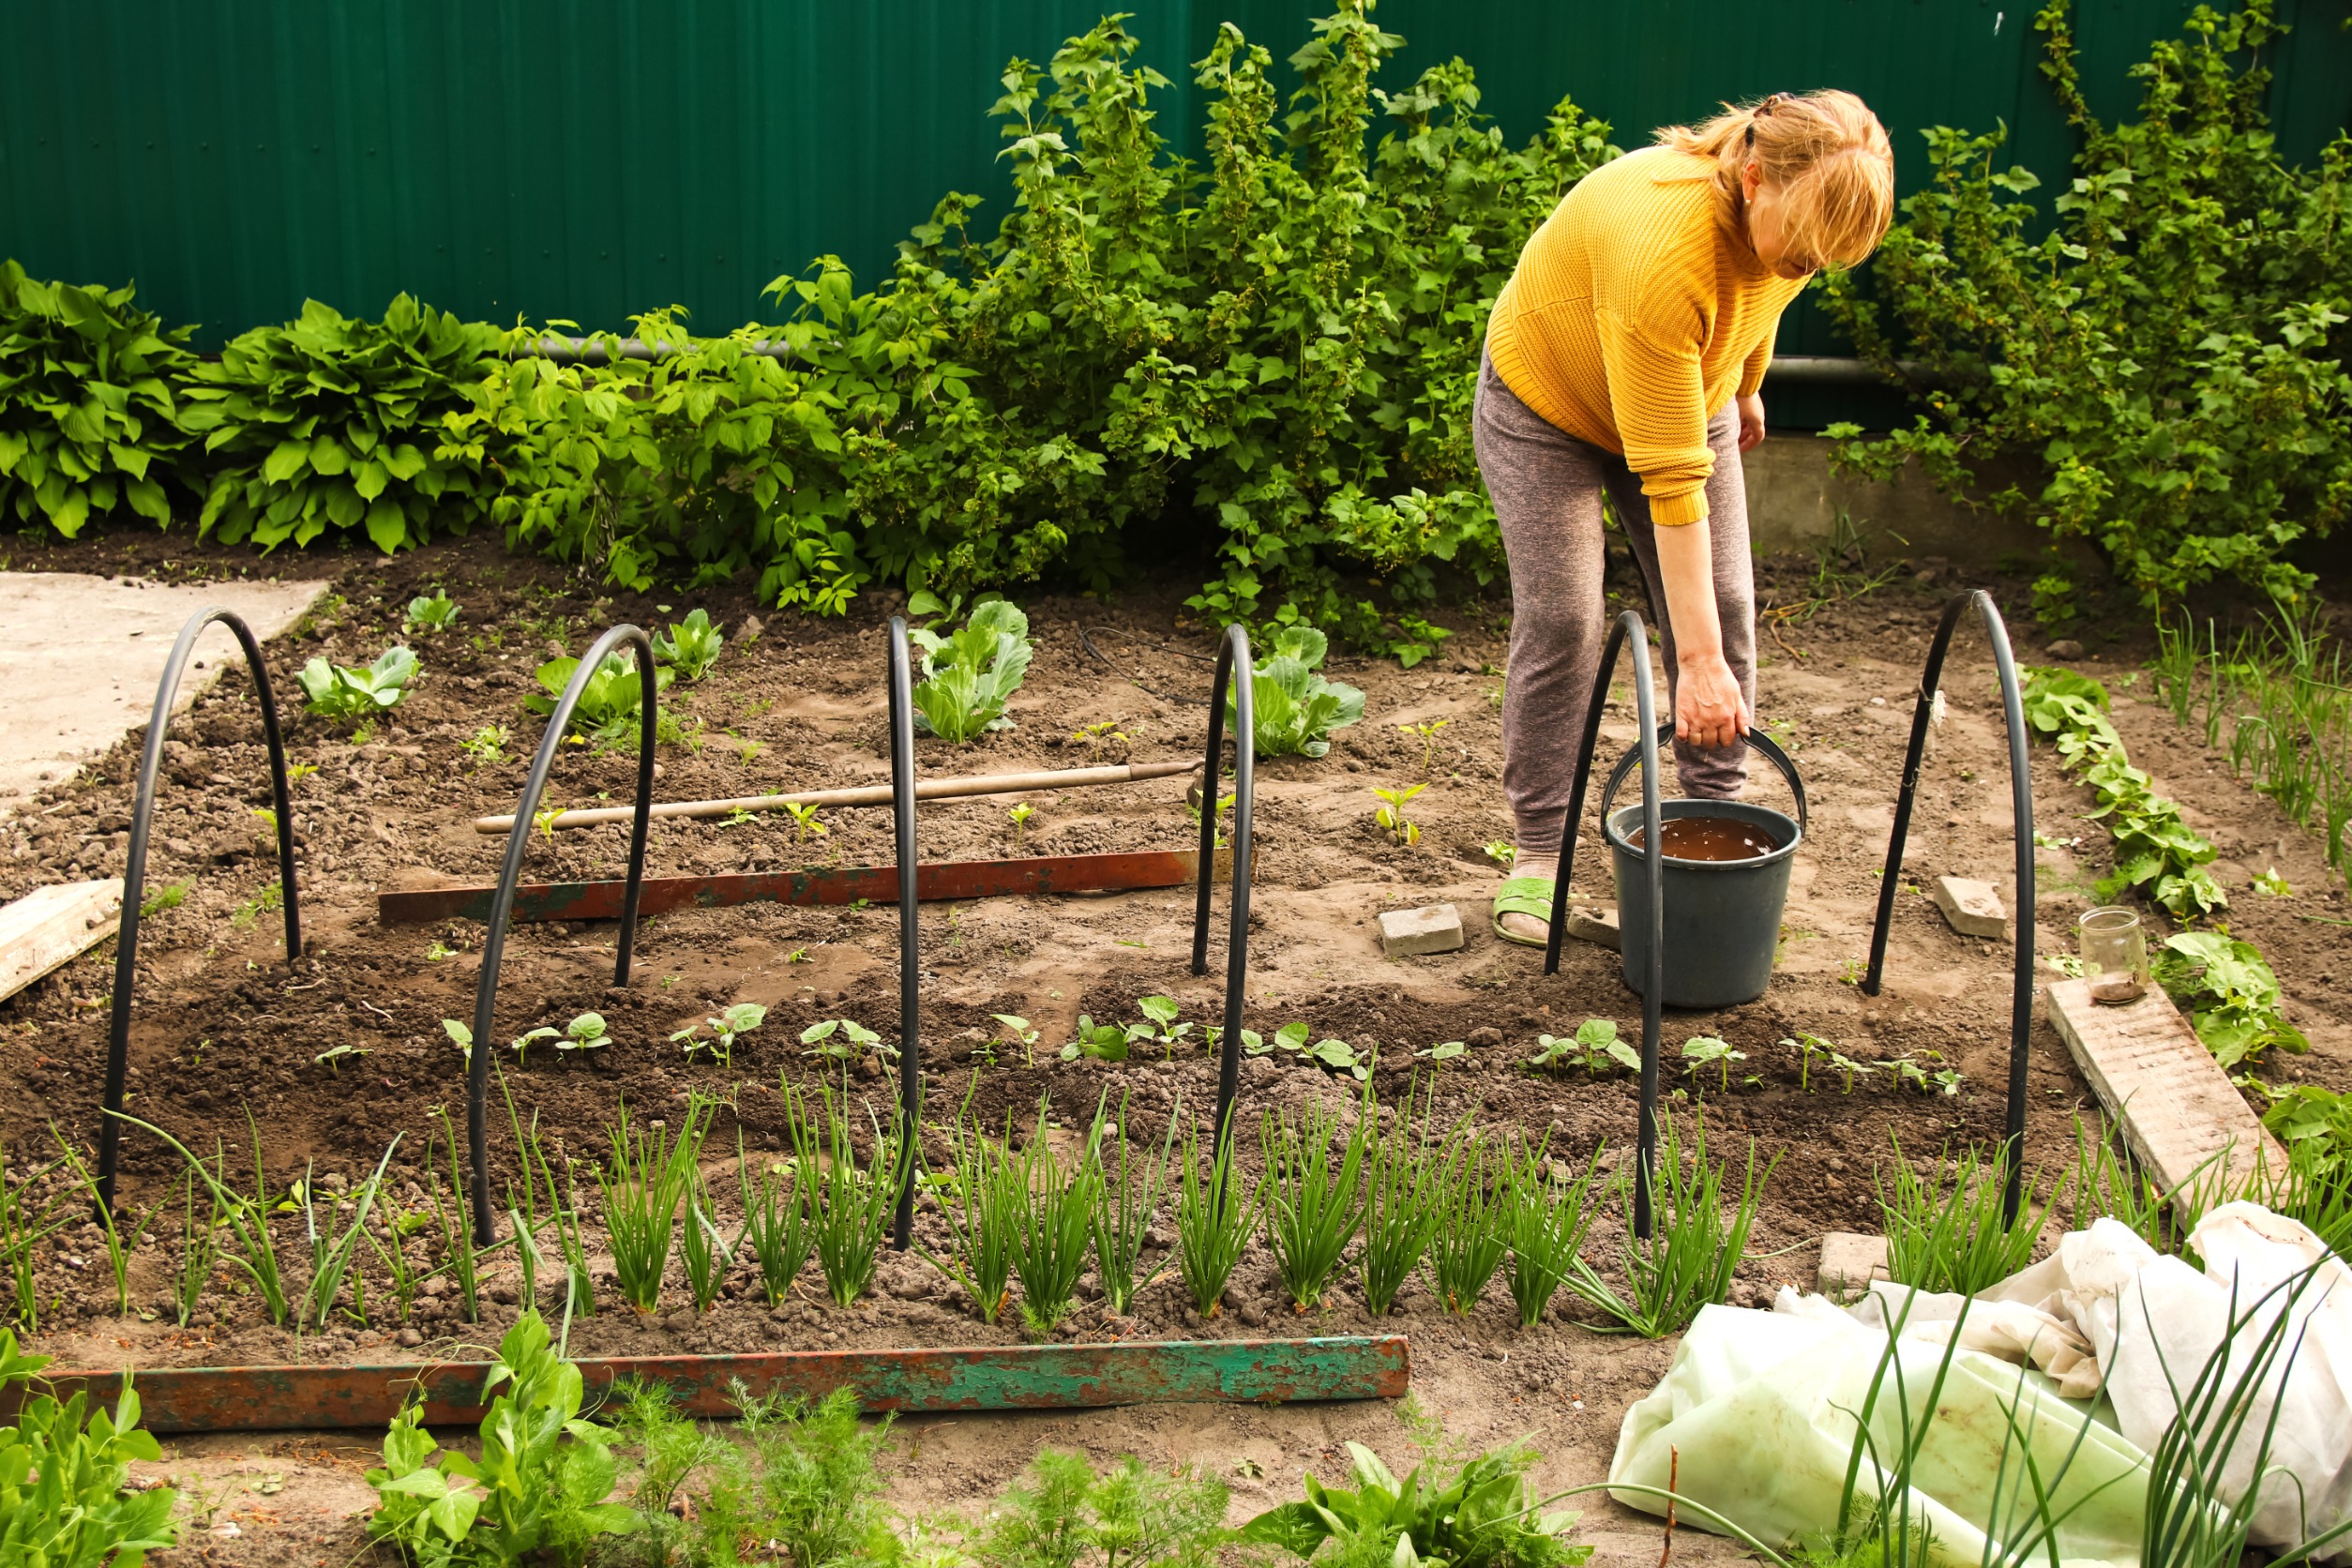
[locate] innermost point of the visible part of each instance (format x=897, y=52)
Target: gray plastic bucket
x=1722, y=917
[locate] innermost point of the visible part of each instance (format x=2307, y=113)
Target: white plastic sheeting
x=1756, y=1416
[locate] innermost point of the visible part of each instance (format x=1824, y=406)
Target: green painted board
x=986, y=1378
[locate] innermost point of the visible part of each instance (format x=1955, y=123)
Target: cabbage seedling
x=970, y=676
x=606, y=714
x=488, y=746
x=1501, y=851
x=340, y=691
x=692, y=645
x=1296, y=709
x=1020, y=815
x=437, y=614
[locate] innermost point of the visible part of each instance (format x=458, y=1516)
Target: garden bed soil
x=224, y=1026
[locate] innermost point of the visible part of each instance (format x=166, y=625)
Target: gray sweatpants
x=1547, y=487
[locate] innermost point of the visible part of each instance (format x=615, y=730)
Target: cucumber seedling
x=726, y=1028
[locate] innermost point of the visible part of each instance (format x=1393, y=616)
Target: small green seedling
x=1442, y=1054
x=488, y=747
x=1340, y=1056
x=745, y=748
x=1020, y=815
x=1594, y=1044
x=1099, y=1042
x=438, y=949
x=1501, y=853
x=1851, y=1068
x=1392, y=818
x=461, y=1036
x=1163, y=1030
x=1022, y=1035
x=297, y=772
x=437, y=614
x=585, y=1032
x=1291, y=1037
x=338, y=691
x=805, y=823
x=1099, y=737
x=844, y=1040
x=1225, y=805
x=1807, y=1046
x=1705, y=1051
x=692, y=645
x=730, y=1025
x=522, y=1044
x=333, y=1058
x=2271, y=885
x=1947, y=1082
x=1426, y=733
x=169, y=898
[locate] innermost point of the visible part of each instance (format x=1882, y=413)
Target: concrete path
x=81, y=656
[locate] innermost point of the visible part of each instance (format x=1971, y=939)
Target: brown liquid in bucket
x=1716, y=839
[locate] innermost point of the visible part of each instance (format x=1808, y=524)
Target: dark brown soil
x=224, y=1026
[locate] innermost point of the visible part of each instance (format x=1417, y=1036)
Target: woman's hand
x=1708, y=710
x=1751, y=421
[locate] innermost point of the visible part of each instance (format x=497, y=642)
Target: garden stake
x=503, y=901
x=863, y=794
x=1628, y=629
x=901, y=685
x=135, y=863
x=2021, y=811
x=1234, y=667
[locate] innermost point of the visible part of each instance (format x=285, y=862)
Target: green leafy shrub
x=537, y=1493
x=63, y=1469
x=1294, y=708
x=970, y=675
x=87, y=405
x=2231, y=995
x=331, y=420
x=338, y=691
x=2167, y=359
x=1481, y=1510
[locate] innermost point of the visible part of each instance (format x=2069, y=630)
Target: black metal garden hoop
x=135, y=864
x=1628, y=630
x=1235, y=670
x=901, y=681
x=2021, y=810
x=503, y=901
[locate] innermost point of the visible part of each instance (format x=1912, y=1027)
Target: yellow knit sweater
x=1634, y=315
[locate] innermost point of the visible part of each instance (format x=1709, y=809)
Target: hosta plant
x=86, y=402
x=332, y=421
x=969, y=676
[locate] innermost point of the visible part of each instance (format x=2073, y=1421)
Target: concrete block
x=1436, y=929
x=1598, y=927
x=1849, y=1262
x=1971, y=908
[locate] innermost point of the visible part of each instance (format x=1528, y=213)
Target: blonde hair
x=1827, y=153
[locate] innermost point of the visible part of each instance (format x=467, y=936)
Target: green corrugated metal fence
x=585, y=158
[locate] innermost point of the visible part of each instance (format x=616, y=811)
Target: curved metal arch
x=1628, y=629
x=1234, y=668
x=2021, y=810
x=503, y=900
x=135, y=864
x=901, y=681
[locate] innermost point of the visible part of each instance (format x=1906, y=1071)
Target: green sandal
x=1523, y=896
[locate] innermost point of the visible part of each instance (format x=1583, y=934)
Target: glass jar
x=2115, y=954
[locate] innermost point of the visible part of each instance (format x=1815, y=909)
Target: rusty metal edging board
x=934, y=881
x=986, y=1378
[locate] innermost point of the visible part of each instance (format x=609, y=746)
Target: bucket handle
x=1757, y=741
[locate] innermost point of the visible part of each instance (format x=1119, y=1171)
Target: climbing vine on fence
x=2166, y=361
x=1273, y=349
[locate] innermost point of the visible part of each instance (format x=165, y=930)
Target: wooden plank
x=2182, y=1119
x=846, y=884
x=52, y=925
x=985, y=1378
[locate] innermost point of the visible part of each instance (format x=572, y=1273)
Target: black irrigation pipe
x=2021, y=810
x=503, y=901
x=1627, y=631
x=1234, y=670
x=901, y=684
x=135, y=864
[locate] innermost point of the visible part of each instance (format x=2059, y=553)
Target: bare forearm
x=1686, y=563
